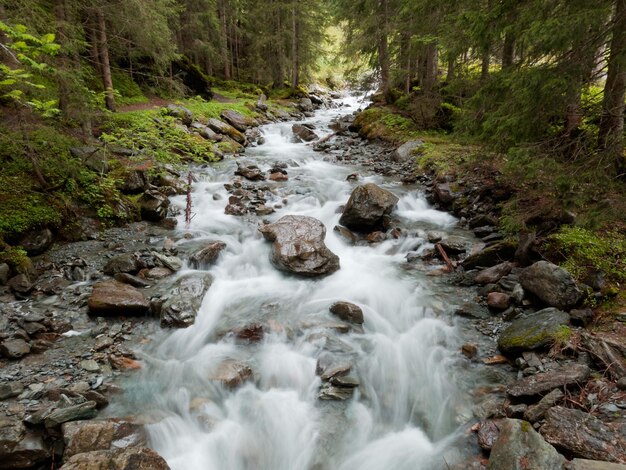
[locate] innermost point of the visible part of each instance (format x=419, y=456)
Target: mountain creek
x=314, y=307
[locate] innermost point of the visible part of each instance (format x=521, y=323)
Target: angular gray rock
x=226, y=129
x=569, y=374
x=185, y=297
x=533, y=331
x=153, y=206
x=493, y=274
x=180, y=112
x=367, y=206
x=207, y=256
x=124, y=263
x=491, y=255
x=116, y=298
x=304, y=133
x=520, y=447
x=238, y=120
x=14, y=348
x=86, y=410
x=583, y=435
x=535, y=412
x=19, y=447
x=406, y=152
x=298, y=246
x=552, y=284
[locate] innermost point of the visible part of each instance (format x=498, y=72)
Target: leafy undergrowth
x=578, y=213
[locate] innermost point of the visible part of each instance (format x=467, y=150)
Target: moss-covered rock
x=533, y=331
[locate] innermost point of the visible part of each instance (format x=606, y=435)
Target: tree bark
x=295, y=73
x=508, y=51
x=432, y=67
x=451, y=72
x=485, y=64
x=103, y=47
x=611, y=133
x=383, y=52
x=224, y=40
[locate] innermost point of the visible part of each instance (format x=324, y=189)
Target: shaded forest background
x=535, y=88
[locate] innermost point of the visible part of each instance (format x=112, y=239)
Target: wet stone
x=348, y=312
x=570, y=374
x=331, y=392
x=14, y=348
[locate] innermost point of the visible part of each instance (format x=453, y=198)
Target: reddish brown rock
x=115, y=298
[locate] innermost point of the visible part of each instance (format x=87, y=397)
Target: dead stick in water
x=444, y=255
x=188, y=207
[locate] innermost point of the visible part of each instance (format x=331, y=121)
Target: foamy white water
x=406, y=412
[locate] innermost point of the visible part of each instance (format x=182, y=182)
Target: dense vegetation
x=534, y=88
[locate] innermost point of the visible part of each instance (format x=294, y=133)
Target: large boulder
x=304, y=133
x=19, y=447
x=36, y=241
x=367, y=206
x=583, y=435
x=552, y=284
x=90, y=435
x=115, y=298
x=153, y=205
x=406, y=152
x=493, y=274
x=533, y=331
x=132, y=458
x=520, y=447
x=299, y=247
x=238, y=120
x=226, y=129
x=181, y=307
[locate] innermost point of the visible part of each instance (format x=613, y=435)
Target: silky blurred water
x=407, y=410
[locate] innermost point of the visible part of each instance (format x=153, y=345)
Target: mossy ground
x=542, y=186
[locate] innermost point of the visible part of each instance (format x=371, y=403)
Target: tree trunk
x=451, y=72
x=611, y=134
x=432, y=67
x=62, y=59
x=383, y=52
x=508, y=51
x=485, y=64
x=295, y=77
x=224, y=40
x=103, y=46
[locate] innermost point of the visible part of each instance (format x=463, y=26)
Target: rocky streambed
x=316, y=312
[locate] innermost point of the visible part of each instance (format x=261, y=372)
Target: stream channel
x=414, y=398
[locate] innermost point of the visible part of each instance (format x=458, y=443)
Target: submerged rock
x=185, y=298
x=367, y=206
x=348, y=312
x=552, y=284
x=299, y=247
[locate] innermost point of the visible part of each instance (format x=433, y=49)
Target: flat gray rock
x=543, y=382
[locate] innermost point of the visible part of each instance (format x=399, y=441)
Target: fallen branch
x=444, y=255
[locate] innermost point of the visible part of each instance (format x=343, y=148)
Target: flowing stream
x=412, y=399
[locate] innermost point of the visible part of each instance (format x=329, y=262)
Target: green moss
x=16, y=258
x=584, y=251
x=526, y=426
x=203, y=109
